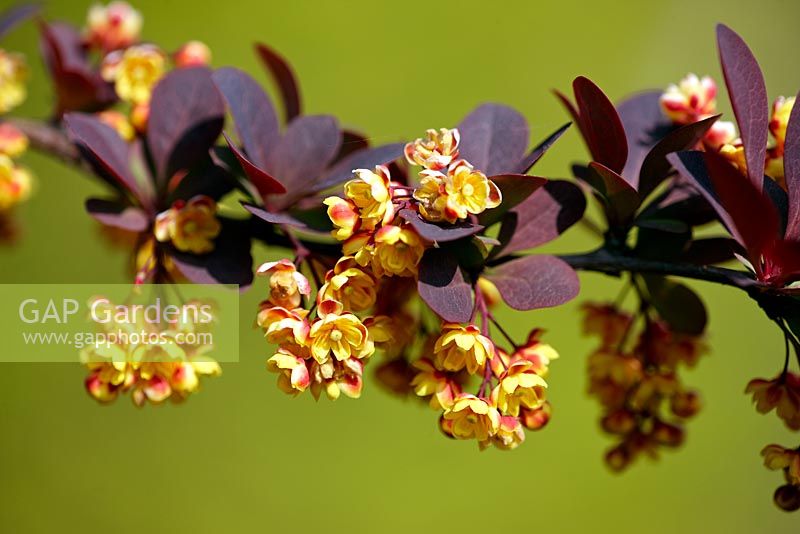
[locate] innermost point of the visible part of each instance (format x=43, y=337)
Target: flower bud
x=787, y=498
x=192, y=54
x=114, y=26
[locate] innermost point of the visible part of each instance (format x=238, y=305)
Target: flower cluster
x=495, y=415
x=450, y=189
x=152, y=361
x=13, y=75
x=694, y=99
x=15, y=180
x=131, y=66
x=643, y=400
x=777, y=458
x=327, y=352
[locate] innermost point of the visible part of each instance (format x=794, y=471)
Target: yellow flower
x=339, y=333
x=462, y=346
x=538, y=354
x=13, y=73
x=436, y=384
x=690, y=100
x=119, y=123
x=355, y=288
x=398, y=250
x=336, y=377
x=510, y=434
x=469, y=191
x=15, y=183
x=116, y=25
x=190, y=226
x=192, y=54
x=720, y=134
x=537, y=418
x=471, y=417
x=781, y=109
x=293, y=376
x=519, y=386
x=13, y=143
x=344, y=216
x=372, y=195
x=781, y=394
x=134, y=71
x=432, y=197
x=436, y=150
x=734, y=153
x=361, y=247
x=283, y=327
x=287, y=285
x=777, y=457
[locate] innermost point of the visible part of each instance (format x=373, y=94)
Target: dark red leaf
x=711, y=250
x=533, y=282
x=545, y=215
x=621, y=199
x=352, y=142
x=655, y=167
x=601, y=124
x=678, y=305
x=755, y=218
x=229, y=263
x=186, y=117
x=494, y=139
x=436, y=233
x=644, y=123
x=207, y=179
x=540, y=149
x=106, y=148
x=113, y=213
x=748, y=95
x=791, y=165
x=264, y=183
x=284, y=78
x=515, y=188
x=252, y=113
x=15, y=15
x=442, y=286
x=274, y=218
x=304, y=151
x=363, y=159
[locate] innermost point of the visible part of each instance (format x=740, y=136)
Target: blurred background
x=241, y=455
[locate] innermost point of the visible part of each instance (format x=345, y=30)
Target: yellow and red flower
x=344, y=216
x=519, y=386
x=293, y=375
x=119, y=123
x=287, y=328
x=510, y=434
x=460, y=347
x=13, y=143
x=781, y=394
x=349, y=284
x=397, y=251
x=471, y=417
x=436, y=151
x=336, y=377
x=339, y=334
x=134, y=71
x=777, y=458
x=605, y=321
x=781, y=110
x=192, y=54
x=190, y=226
x=13, y=74
x=287, y=285
x=691, y=100
x=438, y=385
x=15, y=183
x=371, y=194
x=114, y=26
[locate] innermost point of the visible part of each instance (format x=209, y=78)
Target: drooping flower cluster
x=495, y=415
x=151, y=361
x=326, y=352
x=781, y=394
x=637, y=384
x=694, y=99
x=450, y=189
x=777, y=458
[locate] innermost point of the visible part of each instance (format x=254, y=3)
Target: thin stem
x=503, y=331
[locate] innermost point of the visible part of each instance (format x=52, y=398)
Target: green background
x=241, y=456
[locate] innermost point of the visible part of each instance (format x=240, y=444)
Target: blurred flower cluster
x=634, y=376
x=151, y=361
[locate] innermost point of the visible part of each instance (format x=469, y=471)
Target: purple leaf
x=540, y=149
x=367, y=158
x=748, y=95
x=621, y=199
x=791, y=164
x=494, y=139
x=304, y=151
x=644, y=123
x=442, y=286
x=515, y=188
x=533, y=282
x=15, y=15
x=186, y=117
x=252, y=113
x=711, y=250
x=264, y=183
x=545, y=215
x=113, y=213
x=436, y=233
x=229, y=263
x=106, y=148
x=352, y=142
x=284, y=78
x=655, y=167
x=601, y=124
x=274, y=218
